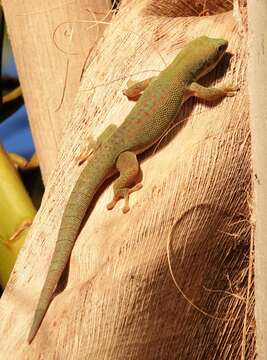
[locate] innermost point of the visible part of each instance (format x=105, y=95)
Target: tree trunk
x=120, y=301
x=51, y=41
x=257, y=76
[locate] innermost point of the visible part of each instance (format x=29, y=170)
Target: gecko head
x=208, y=52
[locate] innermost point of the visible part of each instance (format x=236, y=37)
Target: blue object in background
x=15, y=133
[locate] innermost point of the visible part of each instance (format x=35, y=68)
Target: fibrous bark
x=120, y=301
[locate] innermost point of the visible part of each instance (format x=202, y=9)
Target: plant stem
x=16, y=213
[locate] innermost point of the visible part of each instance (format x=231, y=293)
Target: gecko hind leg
x=128, y=167
x=92, y=145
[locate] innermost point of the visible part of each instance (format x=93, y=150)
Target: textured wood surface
x=257, y=76
x=120, y=301
x=51, y=41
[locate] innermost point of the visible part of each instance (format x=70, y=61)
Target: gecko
x=158, y=102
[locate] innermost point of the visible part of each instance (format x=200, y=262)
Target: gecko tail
x=80, y=198
x=71, y=222
x=58, y=263
x=38, y=318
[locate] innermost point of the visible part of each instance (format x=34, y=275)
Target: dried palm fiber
x=120, y=301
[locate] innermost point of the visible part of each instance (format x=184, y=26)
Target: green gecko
x=159, y=101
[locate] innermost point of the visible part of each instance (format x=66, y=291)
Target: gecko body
x=159, y=101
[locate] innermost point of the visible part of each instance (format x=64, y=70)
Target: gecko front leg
x=136, y=88
x=211, y=93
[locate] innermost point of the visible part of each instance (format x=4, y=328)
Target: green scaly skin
x=149, y=119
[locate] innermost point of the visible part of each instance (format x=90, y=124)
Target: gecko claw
x=230, y=90
x=125, y=196
x=125, y=209
x=111, y=205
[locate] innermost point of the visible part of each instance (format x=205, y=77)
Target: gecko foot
x=230, y=90
x=124, y=194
